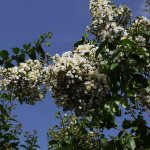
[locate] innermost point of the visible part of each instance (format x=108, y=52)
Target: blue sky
x=22, y=21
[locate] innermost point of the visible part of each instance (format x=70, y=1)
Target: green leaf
x=104, y=141
x=32, y=54
x=27, y=46
x=81, y=41
x=36, y=146
x=121, y=133
x=1, y=107
x=138, y=78
x=111, y=46
x=128, y=42
x=86, y=35
x=16, y=50
x=23, y=146
x=52, y=142
x=19, y=58
x=132, y=143
x=40, y=51
x=126, y=124
x=113, y=66
x=4, y=54
x=8, y=64
x=57, y=115
x=1, y=62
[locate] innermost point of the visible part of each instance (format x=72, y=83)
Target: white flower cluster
x=108, y=22
x=75, y=81
x=138, y=29
x=23, y=82
x=137, y=33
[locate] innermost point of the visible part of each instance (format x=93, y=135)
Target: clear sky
x=22, y=21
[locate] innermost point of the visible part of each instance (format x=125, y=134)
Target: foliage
x=30, y=141
x=78, y=133
x=10, y=128
x=73, y=133
x=27, y=51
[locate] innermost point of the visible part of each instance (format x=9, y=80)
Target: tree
x=99, y=82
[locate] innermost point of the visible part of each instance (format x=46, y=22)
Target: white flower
x=23, y=82
x=74, y=79
x=106, y=22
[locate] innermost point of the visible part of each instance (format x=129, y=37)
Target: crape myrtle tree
x=103, y=84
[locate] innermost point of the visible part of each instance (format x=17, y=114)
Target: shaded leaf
x=4, y=54
x=132, y=143
x=113, y=66
x=16, y=50
x=40, y=51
